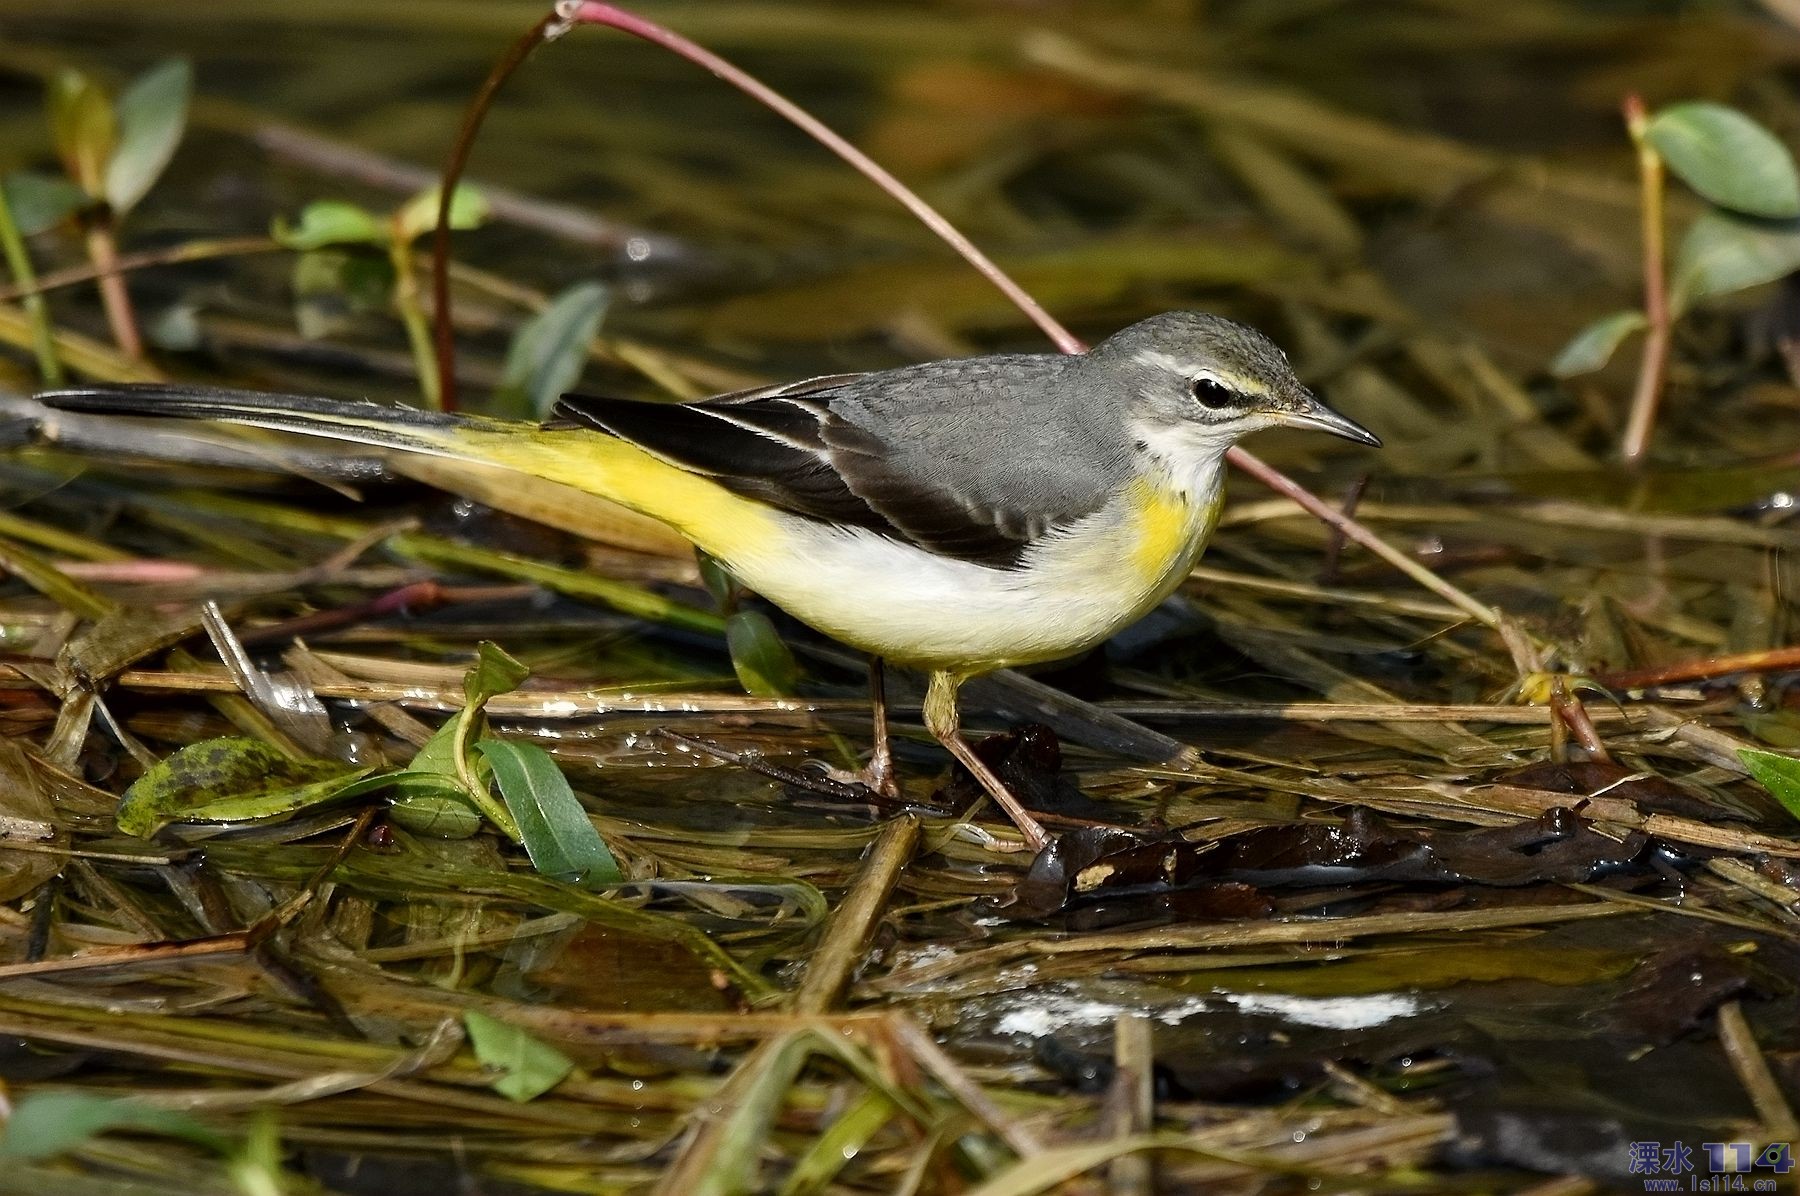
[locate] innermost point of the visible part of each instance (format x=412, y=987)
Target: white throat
x=1190, y=457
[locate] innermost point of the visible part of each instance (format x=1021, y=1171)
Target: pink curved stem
x=590, y=12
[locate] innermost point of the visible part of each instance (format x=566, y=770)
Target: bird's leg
x=945, y=724
x=879, y=773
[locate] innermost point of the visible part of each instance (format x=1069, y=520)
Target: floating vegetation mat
x=376, y=824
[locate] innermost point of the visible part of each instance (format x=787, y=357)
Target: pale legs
x=945, y=725
x=879, y=773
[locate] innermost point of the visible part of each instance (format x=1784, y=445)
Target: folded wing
x=809, y=448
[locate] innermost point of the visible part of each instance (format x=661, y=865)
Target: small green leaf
x=330, y=222
x=763, y=662
x=494, y=673
x=1593, y=346
x=272, y=805
x=82, y=128
x=431, y=808
x=40, y=202
x=525, y=1067
x=431, y=797
x=365, y=281
x=46, y=1124
x=437, y=758
x=1723, y=253
x=230, y=780
x=718, y=579
x=334, y=284
x=1778, y=728
x=549, y=351
x=152, y=114
x=1779, y=774
x=255, y=1167
x=468, y=209
x=428, y=795
x=1728, y=158
x=559, y=837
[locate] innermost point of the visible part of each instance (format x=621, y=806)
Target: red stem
x=1573, y=715
x=415, y=596
x=586, y=12
x=1773, y=660
x=114, y=297
x=442, y=331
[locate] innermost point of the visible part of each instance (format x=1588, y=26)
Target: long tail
x=403, y=428
x=586, y=460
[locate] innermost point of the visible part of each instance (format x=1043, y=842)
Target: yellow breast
x=1169, y=530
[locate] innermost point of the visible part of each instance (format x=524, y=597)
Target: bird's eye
x=1212, y=395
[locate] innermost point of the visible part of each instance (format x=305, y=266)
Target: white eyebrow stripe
x=1157, y=359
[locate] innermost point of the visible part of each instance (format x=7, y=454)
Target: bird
x=954, y=516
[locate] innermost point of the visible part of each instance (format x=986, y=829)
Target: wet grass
x=1353, y=892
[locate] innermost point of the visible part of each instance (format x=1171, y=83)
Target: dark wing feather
x=783, y=470
x=786, y=446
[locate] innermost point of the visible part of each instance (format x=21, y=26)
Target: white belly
x=914, y=608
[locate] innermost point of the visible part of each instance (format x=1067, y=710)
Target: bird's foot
x=877, y=776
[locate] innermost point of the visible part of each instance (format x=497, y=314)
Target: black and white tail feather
x=403, y=428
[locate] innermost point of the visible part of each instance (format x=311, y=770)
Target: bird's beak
x=1309, y=412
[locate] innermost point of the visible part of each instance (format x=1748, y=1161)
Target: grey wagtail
x=958, y=516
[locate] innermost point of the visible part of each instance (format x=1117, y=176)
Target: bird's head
x=1195, y=384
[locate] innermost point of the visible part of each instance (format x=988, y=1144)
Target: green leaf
x=763, y=662
x=468, y=209
x=717, y=578
x=494, y=673
x=1728, y=158
x=82, y=129
x=525, y=1066
x=330, y=222
x=436, y=810
x=437, y=758
x=550, y=349
x=1778, y=728
x=334, y=284
x=1593, y=346
x=152, y=114
x=430, y=791
x=429, y=798
x=255, y=1167
x=1723, y=253
x=232, y=780
x=273, y=805
x=364, y=281
x=559, y=837
x=40, y=202
x=46, y=1124
x=1779, y=774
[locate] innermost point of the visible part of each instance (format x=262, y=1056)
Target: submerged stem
x=412, y=316
x=103, y=251
x=1654, y=362
x=18, y=262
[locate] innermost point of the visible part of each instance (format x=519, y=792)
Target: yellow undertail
x=594, y=463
